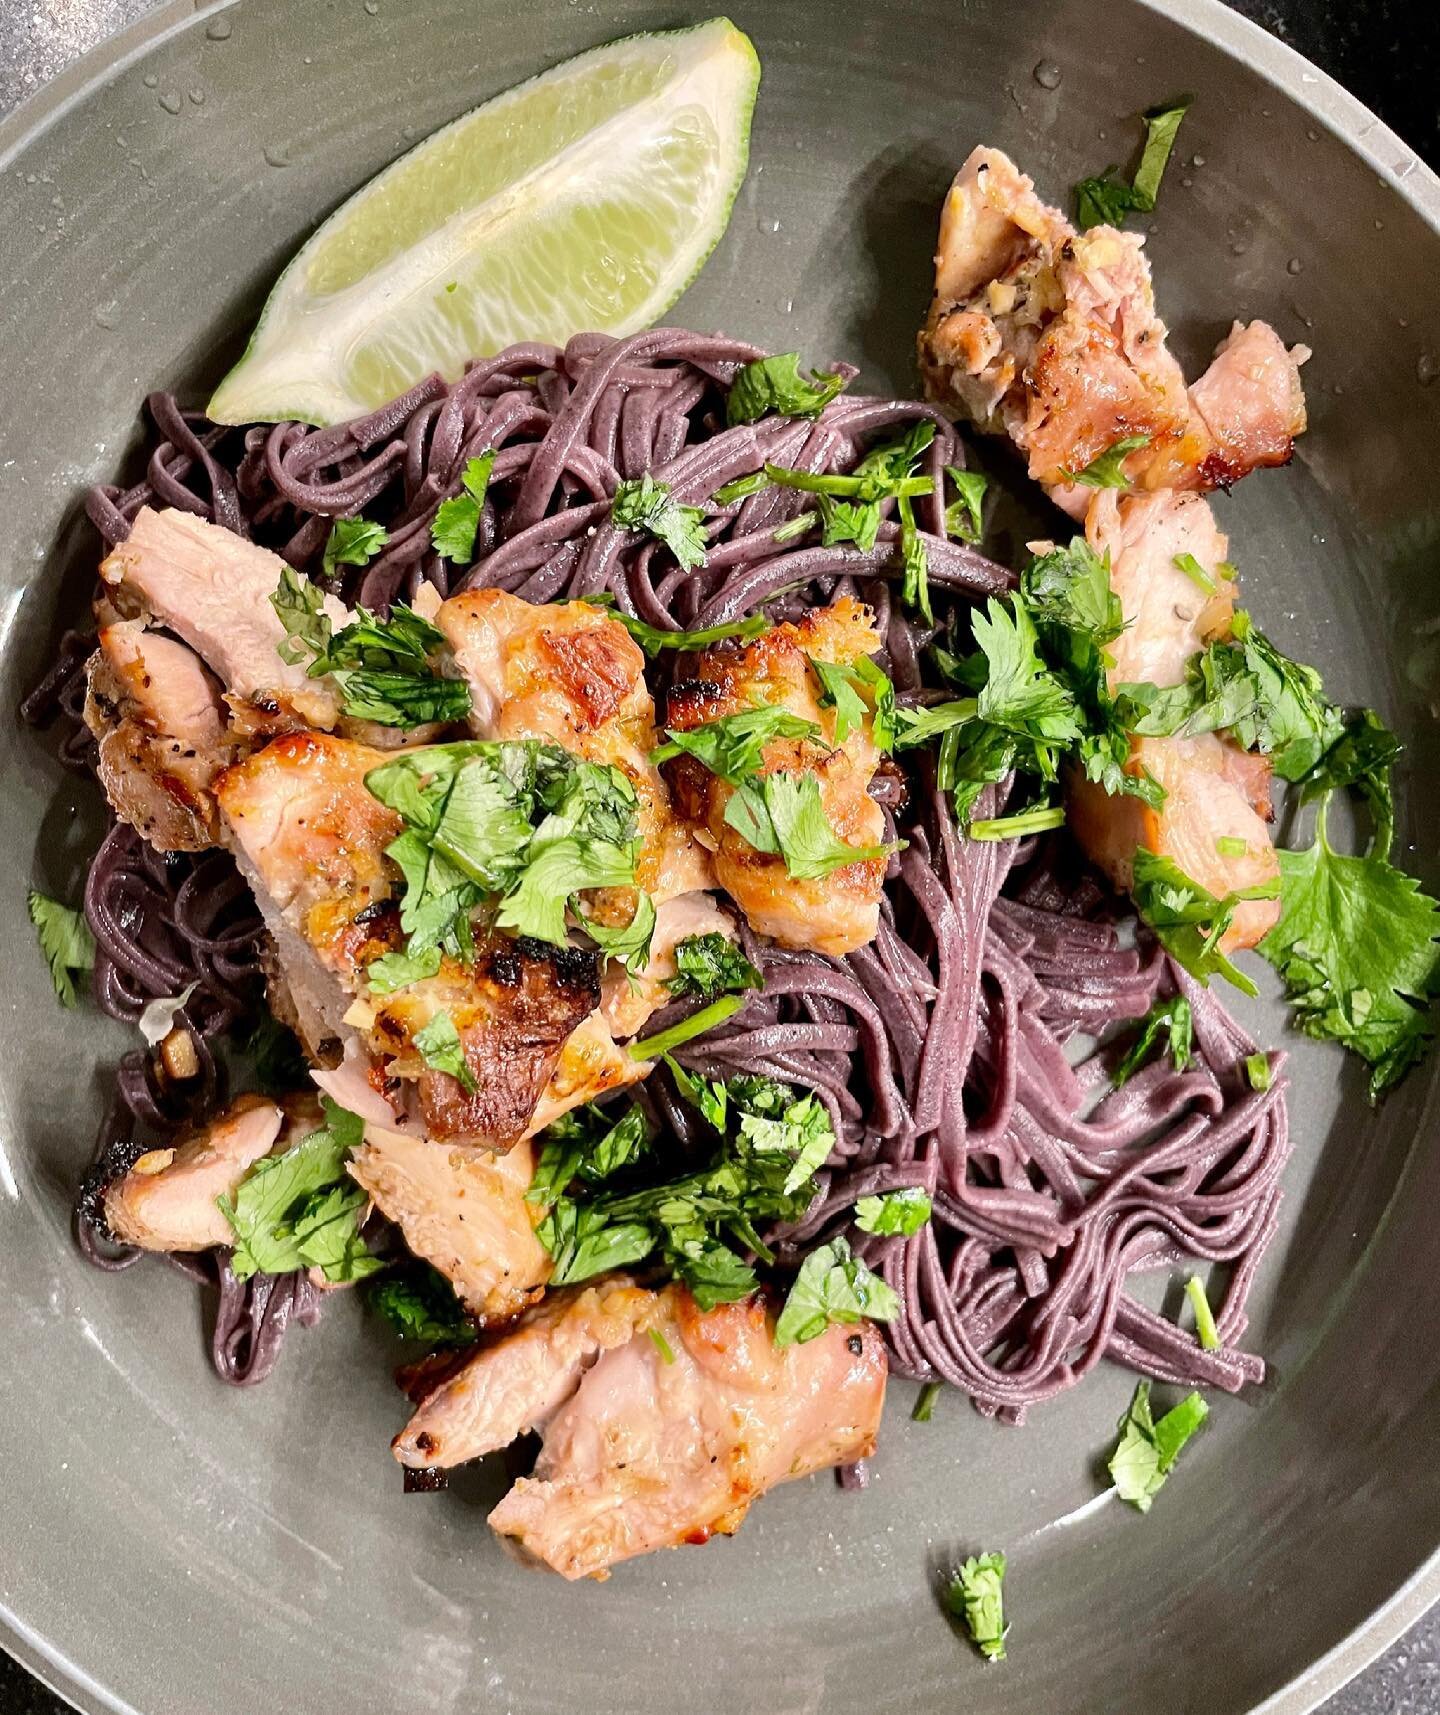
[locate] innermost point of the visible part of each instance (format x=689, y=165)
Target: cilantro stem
x=688, y=1028
x=1196, y=573
x=1205, y=1329
x=925, y=1402
x=1036, y=821
x=846, y=487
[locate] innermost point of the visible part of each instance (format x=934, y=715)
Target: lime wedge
x=588, y=197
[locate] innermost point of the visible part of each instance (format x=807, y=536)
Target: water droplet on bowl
x=1047, y=74
x=276, y=155
x=197, y=96
x=1427, y=368
x=1197, y=160
x=1379, y=225
x=1313, y=135
x=372, y=7
x=1294, y=265
x=170, y=100
x=150, y=80
x=1185, y=184
x=107, y=314
x=218, y=30
x=1239, y=247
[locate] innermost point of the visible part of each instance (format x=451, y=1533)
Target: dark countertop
x=1387, y=52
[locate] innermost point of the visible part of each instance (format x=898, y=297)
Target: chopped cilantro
x=740, y=489
x=352, y=542
x=1258, y=1072
x=707, y=1018
x=776, y=384
x=1038, y=820
x=896, y=1212
x=925, y=1402
x=1196, y=573
x=1147, y=1451
x=783, y=814
x=1205, y=1330
x=661, y=1345
x=456, y=521
x=1358, y=948
x=300, y=1209
x=1169, y=1020
x=394, y=971
x=420, y=1305
x=975, y=1596
x=441, y=1049
x=1107, y=469
x=1106, y=200
x=964, y=516
x=644, y=504
x=65, y=940
x=1189, y=921
x=733, y=746
x=709, y=965
x=832, y=1286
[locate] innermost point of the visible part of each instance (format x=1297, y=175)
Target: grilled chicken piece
x=311, y=840
x=213, y=588
x=569, y=673
x=1213, y=790
x=166, y=1202
x=641, y=1452
x=835, y=913
x=464, y=1211
x=1050, y=336
x=1168, y=617
x=160, y=725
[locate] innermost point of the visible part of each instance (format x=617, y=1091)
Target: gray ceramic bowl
x=170, y=1546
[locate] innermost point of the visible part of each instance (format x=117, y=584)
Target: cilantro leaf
x=352, y=542
x=456, y=521
x=832, y=1286
x=803, y=1130
x=707, y=965
x=733, y=746
x=839, y=691
x=925, y=1402
x=392, y=972
x=1146, y=1450
x=284, y=1213
x=1358, y=948
x=896, y=1212
x=776, y=384
x=1169, y=1019
x=554, y=875
x=1107, y=469
x=300, y=607
x=856, y=521
x=65, y=940
x=1105, y=201
x=641, y=503
x=964, y=516
x=420, y=1304
x=440, y=1047
x=627, y=943
x=1069, y=589
x=1189, y=921
x=1161, y=125
x=1361, y=759
x=1292, y=720
x=915, y=565
x=801, y=830
x=974, y=1595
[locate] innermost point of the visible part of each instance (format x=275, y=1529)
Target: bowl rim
x=1402, y=172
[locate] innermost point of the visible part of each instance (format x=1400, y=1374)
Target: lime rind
x=604, y=234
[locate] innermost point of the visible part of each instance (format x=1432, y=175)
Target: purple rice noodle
x=957, y=1052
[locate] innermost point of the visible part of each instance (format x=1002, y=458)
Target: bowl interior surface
x=169, y=1545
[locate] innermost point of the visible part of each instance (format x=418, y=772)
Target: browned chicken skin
x=649, y=1442
x=835, y=913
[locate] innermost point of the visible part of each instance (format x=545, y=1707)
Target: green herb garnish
x=975, y=1596
x=1205, y=1330
x=1106, y=200
x=352, y=542
x=1147, y=1451
x=65, y=940
x=1168, y=1027
x=453, y=528
x=776, y=384
x=643, y=504
x=300, y=1209
x=420, y=1305
x=832, y=1286
x=896, y=1212
x=709, y=965
x=1107, y=469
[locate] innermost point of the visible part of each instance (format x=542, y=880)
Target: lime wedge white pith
x=588, y=197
